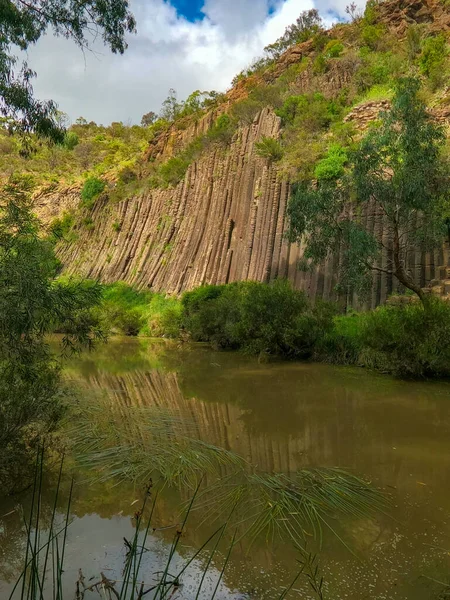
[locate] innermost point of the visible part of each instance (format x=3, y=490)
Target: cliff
x=226, y=219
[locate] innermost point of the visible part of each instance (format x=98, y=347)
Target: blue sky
x=190, y=9
x=183, y=44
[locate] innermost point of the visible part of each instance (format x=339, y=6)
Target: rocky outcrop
x=226, y=221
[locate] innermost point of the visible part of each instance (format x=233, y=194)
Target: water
x=280, y=417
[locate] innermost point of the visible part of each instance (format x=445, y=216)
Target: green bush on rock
x=91, y=189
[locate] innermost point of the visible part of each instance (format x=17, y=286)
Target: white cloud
x=168, y=52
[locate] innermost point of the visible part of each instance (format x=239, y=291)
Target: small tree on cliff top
x=397, y=173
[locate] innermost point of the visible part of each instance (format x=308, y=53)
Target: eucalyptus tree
x=23, y=22
x=397, y=172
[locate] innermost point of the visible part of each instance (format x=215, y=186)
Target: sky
x=187, y=45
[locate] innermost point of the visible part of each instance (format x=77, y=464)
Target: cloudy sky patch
x=181, y=44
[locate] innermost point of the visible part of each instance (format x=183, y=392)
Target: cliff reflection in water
x=282, y=417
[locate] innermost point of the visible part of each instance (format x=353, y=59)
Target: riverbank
x=274, y=320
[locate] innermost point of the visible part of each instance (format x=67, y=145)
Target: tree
x=22, y=23
x=397, y=172
x=171, y=108
x=148, y=119
x=32, y=304
x=308, y=23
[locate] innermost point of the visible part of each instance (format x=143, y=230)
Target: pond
x=279, y=417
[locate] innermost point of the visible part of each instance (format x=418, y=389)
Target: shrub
x=174, y=169
x=127, y=174
x=60, y=228
x=409, y=340
x=269, y=148
x=332, y=166
x=371, y=35
x=246, y=110
x=222, y=130
x=267, y=95
x=71, y=140
x=333, y=49
x=256, y=318
x=92, y=188
x=311, y=112
x=123, y=308
x=116, y=226
x=196, y=311
x=343, y=343
x=433, y=53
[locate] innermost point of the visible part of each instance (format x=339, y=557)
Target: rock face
x=226, y=221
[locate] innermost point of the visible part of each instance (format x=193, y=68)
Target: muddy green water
x=280, y=417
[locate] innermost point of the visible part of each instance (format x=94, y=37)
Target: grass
x=128, y=311
x=155, y=444
x=45, y=549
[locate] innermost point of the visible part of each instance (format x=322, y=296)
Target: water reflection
x=282, y=417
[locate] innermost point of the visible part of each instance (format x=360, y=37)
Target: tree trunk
x=400, y=272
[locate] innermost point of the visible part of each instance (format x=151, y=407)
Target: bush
x=408, y=340
x=71, y=140
x=311, y=112
x=434, y=50
x=333, y=49
x=269, y=148
x=123, y=308
x=61, y=227
x=246, y=110
x=256, y=318
x=343, y=343
x=92, y=188
x=174, y=169
x=332, y=166
x=222, y=130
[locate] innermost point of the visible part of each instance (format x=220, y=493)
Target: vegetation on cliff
x=399, y=171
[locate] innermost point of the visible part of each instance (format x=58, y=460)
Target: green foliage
x=256, y=318
x=23, y=23
x=398, y=167
x=377, y=68
x=414, y=35
x=32, y=304
x=432, y=59
x=174, y=169
x=434, y=50
x=60, y=228
x=408, y=340
x=269, y=148
x=333, y=49
x=305, y=27
x=343, y=343
x=91, y=189
x=123, y=309
x=332, y=166
x=71, y=140
x=246, y=110
x=128, y=311
x=310, y=112
x=222, y=130
x=371, y=35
